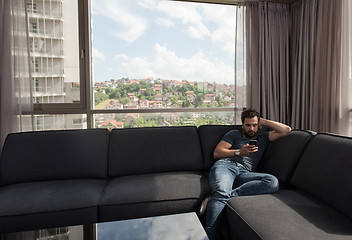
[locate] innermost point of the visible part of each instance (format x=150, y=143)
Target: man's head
x=250, y=122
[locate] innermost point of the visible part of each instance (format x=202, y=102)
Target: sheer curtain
x=267, y=63
x=346, y=70
x=15, y=79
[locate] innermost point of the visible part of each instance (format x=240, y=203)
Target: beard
x=249, y=134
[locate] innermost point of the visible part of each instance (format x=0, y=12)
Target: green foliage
x=99, y=97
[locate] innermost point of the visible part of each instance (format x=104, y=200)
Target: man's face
x=250, y=127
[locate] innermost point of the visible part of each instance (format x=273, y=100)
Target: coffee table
x=178, y=226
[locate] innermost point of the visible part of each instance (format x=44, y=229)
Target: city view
x=164, y=94
x=169, y=57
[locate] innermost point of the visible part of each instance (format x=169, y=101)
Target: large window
x=163, y=62
x=159, y=59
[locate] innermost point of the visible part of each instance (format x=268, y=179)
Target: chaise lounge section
x=315, y=201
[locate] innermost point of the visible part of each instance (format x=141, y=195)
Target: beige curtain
x=345, y=127
x=267, y=62
x=297, y=63
x=318, y=73
x=15, y=79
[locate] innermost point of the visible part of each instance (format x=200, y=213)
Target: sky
x=172, y=40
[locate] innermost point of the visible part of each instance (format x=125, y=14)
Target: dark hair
x=249, y=113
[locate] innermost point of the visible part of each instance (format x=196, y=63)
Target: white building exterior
x=54, y=47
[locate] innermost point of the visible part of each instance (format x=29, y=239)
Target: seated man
x=237, y=161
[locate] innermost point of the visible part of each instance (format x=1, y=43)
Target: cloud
x=201, y=20
x=187, y=13
x=119, y=12
x=120, y=56
x=167, y=65
x=164, y=22
x=98, y=55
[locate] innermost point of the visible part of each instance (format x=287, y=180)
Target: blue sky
x=163, y=39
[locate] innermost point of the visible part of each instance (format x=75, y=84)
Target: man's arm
x=279, y=129
x=223, y=150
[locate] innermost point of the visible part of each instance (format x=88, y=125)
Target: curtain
x=298, y=63
x=15, y=79
x=318, y=75
x=240, y=62
x=345, y=127
x=267, y=59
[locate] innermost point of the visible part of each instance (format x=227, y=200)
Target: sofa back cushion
x=281, y=157
x=210, y=136
x=153, y=150
x=54, y=155
x=325, y=171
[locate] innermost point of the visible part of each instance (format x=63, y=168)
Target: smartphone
x=252, y=142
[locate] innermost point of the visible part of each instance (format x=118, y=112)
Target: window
x=163, y=63
x=55, y=43
x=31, y=7
x=152, y=63
x=33, y=27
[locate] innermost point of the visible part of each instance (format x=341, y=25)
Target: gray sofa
x=315, y=199
x=60, y=178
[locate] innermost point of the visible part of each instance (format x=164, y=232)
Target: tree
x=174, y=100
x=99, y=97
x=124, y=101
x=115, y=94
x=186, y=104
x=220, y=101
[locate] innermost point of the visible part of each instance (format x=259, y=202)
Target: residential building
x=54, y=52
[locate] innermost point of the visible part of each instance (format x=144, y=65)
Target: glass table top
x=178, y=226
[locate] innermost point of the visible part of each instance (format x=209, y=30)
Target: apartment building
x=54, y=52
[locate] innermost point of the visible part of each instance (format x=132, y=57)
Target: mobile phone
x=252, y=142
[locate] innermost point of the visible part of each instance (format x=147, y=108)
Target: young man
x=236, y=165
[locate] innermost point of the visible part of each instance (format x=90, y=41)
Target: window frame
x=85, y=106
x=84, y=75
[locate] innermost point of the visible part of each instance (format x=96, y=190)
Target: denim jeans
x=222, y=177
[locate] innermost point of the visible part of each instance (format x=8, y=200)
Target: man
x=237, y=161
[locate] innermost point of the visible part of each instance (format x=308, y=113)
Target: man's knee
x=272, y=183
x=220, y=194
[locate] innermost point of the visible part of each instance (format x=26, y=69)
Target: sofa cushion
x=49, y=204
x=325, y=171
x=152, y=150
x=54, y=155
x=210, y=136
x=281, y=157
x=152, y=194
x=286, y=214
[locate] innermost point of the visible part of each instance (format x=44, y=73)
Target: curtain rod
x=227, y=2
x=235, y=2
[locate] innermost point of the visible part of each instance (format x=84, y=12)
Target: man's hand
x=279, y=129
x=247, y=149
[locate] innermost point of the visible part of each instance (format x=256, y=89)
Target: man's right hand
x=247, y=149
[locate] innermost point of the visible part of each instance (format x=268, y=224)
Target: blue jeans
x=222, y=177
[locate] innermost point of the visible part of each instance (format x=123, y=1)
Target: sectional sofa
x=71, y=177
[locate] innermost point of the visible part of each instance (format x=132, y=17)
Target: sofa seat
x=36, y=205
x=287, y=214
x=152, y=194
